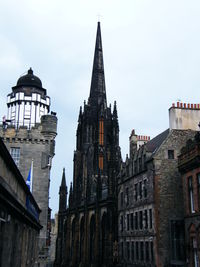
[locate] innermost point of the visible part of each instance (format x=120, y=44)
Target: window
x=147, y=251
x=170, y=154
x=152, y=252
x=141, y=251
x=15, y=153
x=127, y=196
x=136, y=192
x=122, y=199
x=191, y=195
x=122, y=222
x=128, y=250
x=145, y=188
x=128, y=224
x=140, y=164
x=141, y=219
x=140, y=190
x=101, y=162
x=136, y=251
x=133, y=251
x=177, y=240
x=146, y=219
x=150, y=219
x=132, y=223
x=195, y=252
x=101, y=132
x=136, y=221
x=122, y=250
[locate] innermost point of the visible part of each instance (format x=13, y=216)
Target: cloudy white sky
x=151, y=59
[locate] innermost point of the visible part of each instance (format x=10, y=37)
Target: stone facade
x=87, y=229
x=33, y=143
x=189, y=162
x=150, y=203
x=19, y=216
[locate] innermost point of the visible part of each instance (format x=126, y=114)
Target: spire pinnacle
x=63, y=183
x=98, y=88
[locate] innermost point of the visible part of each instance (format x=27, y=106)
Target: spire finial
x=98, y=88
x=30, y=71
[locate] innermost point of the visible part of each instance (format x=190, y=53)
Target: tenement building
x=19, y=216
x=29, y=134
x=150, y=195
x=189, y=166
x=87, y=234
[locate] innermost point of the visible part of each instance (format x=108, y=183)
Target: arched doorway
x=104, y=237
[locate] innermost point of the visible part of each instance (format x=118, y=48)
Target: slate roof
x=153, y=145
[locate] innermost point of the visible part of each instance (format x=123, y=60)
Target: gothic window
x=146, y=219
x=145, y=188
x=152, y=251
x=81, y=238
x=141, y=251
x=136, y=250
x=195, y=252
x=150, y=219
x=136, y=220
x=121, y=222
x=140, y=190
x=122, y=199
x=15, y=153
x=128, y=250
x=101, y=132
x=141, y=219
x=101, y=162
x=92, y=238
x=136, y=192
x=122, y=250
x=147, y=251
x=132, y=223
x=132, y=251
x=73, y=239
x=191, y=195
x=127, y=196
x=140, y=164
x=128, y=222
x=104, y=228
x=177, y=240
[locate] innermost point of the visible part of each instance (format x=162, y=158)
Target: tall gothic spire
x=63, y=193
x=98, y=88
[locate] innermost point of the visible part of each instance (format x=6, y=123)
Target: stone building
x=150, y=197
x=19, y=216
x=29, y=134
x=87, y=229
x=189, y=166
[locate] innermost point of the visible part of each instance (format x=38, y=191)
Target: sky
x=151, y=54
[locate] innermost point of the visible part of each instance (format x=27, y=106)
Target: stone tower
x=29, y=134
x=90, y=225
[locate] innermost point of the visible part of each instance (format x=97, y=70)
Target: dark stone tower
x=91, y=218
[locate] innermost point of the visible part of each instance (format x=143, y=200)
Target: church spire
x=63, y=193
x=98, y=88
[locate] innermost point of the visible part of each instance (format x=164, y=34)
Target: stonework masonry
x=35, y=144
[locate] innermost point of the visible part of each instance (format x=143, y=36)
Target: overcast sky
x=151, y=59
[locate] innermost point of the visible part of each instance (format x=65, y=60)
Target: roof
x=153, y=145
x=29, y=80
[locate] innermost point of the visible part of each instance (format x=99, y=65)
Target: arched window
x=92, y=238
x=81, y=238
x=104, y=236
x=73, y=239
